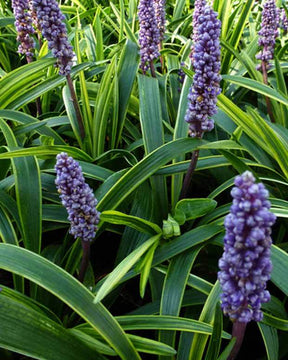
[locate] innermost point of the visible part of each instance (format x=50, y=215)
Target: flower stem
x=267, y=99
x=38, y=103
x=188, y=176
x=238, y=332
x=153, y=73
x=85, y=259
x=76, y=106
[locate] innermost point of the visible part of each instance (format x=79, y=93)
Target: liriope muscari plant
x=149, y=35
x=203, y=93
x=80, y=202
x=25, y=30
x=245, y=266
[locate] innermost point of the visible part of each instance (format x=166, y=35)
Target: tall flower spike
x=149, y=34
x=25, y=30
x=54, y=30
x=199, y=6
x=245, y=266
x=268, y=33
x=203, y=93
x=284, y=21
x=77, y=197
x=160, y=13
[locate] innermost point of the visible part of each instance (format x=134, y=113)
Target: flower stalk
x=79, y=200
x=203, y=93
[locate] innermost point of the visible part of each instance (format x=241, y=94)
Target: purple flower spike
x=199, y=6
x=245, y=266
x=284, y=21
x=268, y=33
x=77, y=197
x=149, y=34
x=25, y=30
x=54, y=30
x=202, y=97
x=160, y=13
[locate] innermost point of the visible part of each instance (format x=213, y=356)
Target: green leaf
x=193, y=208
x=207, y=315
x=165, y=322
x=121, y=269
x=224, y=355
x=257, y=87
x=7, y=232
x=153, y=136
x=174, y=287
x=48, y=151
x=180, y=131
x=69, y=290
x=279, y=260
x=35, y=335
x=145, y=168
x=128, y=68
x=29, y=198
x=14, y=83
x=116, y=217
x=42, y=88
x=25, y=119
x=215, y=341
x=271, y=342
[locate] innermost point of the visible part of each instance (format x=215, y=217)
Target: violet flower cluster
x=284, y=21
x=268, y=33
x=245, y=266
x=23, y=24
x=77, y=197
x=199, y=6
x=149, y=34
x=160, y=14
x=203, y=93
x=53, y=29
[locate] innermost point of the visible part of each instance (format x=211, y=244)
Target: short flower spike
x=203, y=93
x=50, y=20
x=268, y=33
x=149, y=33
x=245, y=266
x=77, y=197
x=23, y=23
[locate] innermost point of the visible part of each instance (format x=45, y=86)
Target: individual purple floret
x=77, y=197
x=203, y=93
x=160, y=13
x=149, y=34
x=268, y=33
x=284, y=21
x=25, y=30
x=54, y=30
x=245, y=266
x=199, y=6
